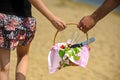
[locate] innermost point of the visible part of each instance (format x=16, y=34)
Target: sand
x=105, y=51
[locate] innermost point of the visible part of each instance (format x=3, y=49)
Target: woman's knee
x=5, y=68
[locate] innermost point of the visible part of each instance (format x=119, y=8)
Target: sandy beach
x=105, y=51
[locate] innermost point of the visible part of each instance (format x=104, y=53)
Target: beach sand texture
x=105, y=51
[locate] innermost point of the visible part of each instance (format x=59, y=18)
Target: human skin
x=23, y=51
x=88, y=22
x=57, y=23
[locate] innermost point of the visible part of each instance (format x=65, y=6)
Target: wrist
x=51, y=17
x=94, y=17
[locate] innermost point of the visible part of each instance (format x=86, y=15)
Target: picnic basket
x=62, y=54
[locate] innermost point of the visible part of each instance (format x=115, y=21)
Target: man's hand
x=86, y=23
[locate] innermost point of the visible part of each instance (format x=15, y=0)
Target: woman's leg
x=4, y=64
x=22, y=62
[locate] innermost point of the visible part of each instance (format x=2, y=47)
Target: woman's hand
x=58, y=24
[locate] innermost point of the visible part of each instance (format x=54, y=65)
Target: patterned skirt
x=16, y=31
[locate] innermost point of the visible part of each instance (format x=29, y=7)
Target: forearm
x=38, y=4
x=105, y=8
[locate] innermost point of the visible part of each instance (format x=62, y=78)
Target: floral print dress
x=16, y=31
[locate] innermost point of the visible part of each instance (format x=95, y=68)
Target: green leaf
x=66, y=49
x=65, y=65
x=69, y=54
x=61, y=53
x=76, y=57
x=76, y=50
x=73, y=52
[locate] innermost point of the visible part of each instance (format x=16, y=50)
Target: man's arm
x=105, y=8
x=87, y=22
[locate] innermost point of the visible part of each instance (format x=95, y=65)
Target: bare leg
x=22, y=62
x=4, y=64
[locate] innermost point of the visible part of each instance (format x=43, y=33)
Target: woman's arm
x=39, y=5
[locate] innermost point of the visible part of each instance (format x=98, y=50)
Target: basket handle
x=54, y=40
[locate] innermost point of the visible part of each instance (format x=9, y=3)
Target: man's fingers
x=82, y=27
x=79, y=25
